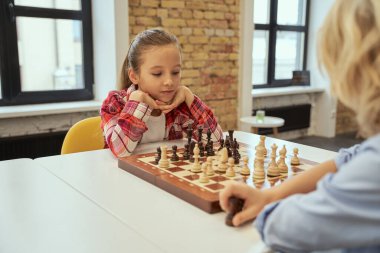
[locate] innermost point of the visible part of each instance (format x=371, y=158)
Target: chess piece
x=273, y=170
x=295, y=160
x=231, y=170
x=186, y=153
x=262, y=144
x=158, y=155
x=231, y=135
x=235, y=205
x=175, y=157
x=210, y=169
x=208, y=135
x=245, y=170
x=196, y=166
x=164, y=162
x=282, y=165
x=221, y=144
x=210, y=149
x=191, y=149
x=223, y=156
x=204, y=177
x=200, y=131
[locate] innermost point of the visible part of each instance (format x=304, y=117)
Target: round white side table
x=268, y=122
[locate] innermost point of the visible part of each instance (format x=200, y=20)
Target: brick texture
x=345, y=120
x=208, y=31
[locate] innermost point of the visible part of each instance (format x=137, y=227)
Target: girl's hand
x=141, y=96
x=183, y=94
x=254, y=201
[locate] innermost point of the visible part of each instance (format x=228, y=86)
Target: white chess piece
x=245, y=170
x=196, y=166
x=164, y=162
x=223, y=160
x=231, y=170
x=210, y=169
x=203, y=177
x=295, y=160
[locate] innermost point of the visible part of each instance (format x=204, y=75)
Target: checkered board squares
x=181, y=182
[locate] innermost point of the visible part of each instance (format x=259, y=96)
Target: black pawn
x=175, y=157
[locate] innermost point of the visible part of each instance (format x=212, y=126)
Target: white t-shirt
x=156, y=129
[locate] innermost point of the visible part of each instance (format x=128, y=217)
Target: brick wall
x=345, y=120
x=208, y=31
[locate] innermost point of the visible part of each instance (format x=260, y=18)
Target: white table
x=268, y=122
x=164, y=219
x=41, y=213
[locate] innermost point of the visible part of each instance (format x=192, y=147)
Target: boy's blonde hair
x=349, y=49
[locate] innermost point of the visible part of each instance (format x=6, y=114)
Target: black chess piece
x=158, y=155
x=210, y=149
x=200, y=131
x=186, y=153
x=221, y=144
x=231, y=135
x=201, y=149
x=189, y=133
x=228, y=146
x=174, y=157
x=208, y=135
x=192, y=146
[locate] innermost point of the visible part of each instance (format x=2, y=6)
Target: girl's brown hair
x=349, y=49
x=143, y=41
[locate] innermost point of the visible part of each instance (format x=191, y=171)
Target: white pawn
x=245, y=170
x=164, y=162
x=196, y=166
x=295, y=160
x=204, y=178
x=210, y=169
x=231, y=170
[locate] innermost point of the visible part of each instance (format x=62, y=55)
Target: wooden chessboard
x=181, y=182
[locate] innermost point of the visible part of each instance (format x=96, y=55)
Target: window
x=279, y=41
x=46, y=51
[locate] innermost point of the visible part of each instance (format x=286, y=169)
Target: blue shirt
x=342, y=213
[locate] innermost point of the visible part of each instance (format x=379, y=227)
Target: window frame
x=272, y=28
x=9, y=62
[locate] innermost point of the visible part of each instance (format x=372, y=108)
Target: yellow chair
x=85, y=135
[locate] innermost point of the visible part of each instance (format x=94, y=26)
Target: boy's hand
x=254, y=201
x=183, y=94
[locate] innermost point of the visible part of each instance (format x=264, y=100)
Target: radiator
x=296, y=117
x=31, y=146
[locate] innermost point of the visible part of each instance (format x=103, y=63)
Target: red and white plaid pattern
x=123, y=121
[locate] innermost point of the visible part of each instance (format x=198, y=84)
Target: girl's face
x=160, y=72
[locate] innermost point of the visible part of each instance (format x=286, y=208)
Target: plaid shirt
x=123, y=121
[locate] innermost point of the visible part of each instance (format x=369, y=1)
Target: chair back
x=85, y=135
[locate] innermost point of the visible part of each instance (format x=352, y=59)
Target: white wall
x=324, y=113
x=111, y=42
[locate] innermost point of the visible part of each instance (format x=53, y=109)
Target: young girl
x=335, y=205
x=152, y=105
